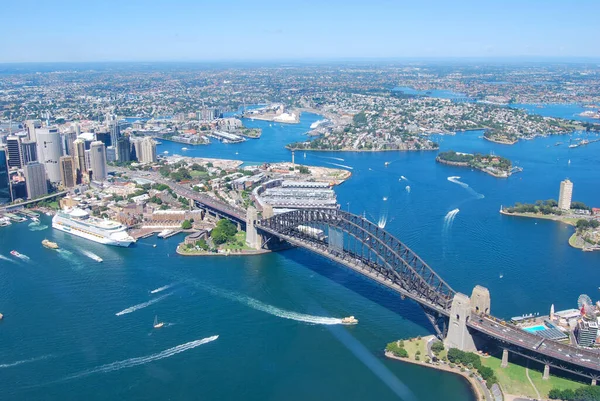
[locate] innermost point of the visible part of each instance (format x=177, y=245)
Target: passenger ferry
x=78, y=222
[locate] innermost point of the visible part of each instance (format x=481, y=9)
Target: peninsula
x=496, y=166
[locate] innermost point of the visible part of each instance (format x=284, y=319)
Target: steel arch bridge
x=368, y=249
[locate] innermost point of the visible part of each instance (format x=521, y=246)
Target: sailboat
x=157, y=324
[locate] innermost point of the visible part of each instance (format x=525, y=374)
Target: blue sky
x=199, y=30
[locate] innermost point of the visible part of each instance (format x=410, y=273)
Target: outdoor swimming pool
x=533, y=329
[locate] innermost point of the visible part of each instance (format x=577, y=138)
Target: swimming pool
x=533, y=329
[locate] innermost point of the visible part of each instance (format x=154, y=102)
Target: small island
x=497, y=166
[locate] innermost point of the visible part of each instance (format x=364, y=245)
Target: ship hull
x=89, y=236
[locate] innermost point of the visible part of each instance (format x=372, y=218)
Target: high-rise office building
x=98, y=161
x=123, y=149
x=70, y=137
x=137, y=149
x=586, y=332
x=4, y=183
x=68, y=171
x=111, y=154
x=105, y=137
x=115, y=131
x=15, y=155
x=49, y=151
x=88, y=163
x=31, y=126
x=564, y=197
x=29, y=151
x=35, y=180
x=148, y=151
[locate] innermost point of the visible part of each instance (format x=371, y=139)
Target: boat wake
x=340, y=165
x=456, y=180
x=332, y=158
x=2, y=257
x=91, y=255
x=160, y=289
x=142, y=305
x=270, y=309
x=37, y=226
x=24, y=361
x=382, y=221
x=449, y=219
x=129, y=363
x=407, y=188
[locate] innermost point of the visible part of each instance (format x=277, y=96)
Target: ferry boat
x=4, y=221
x=349, y=320
x=78, y=222
x=49, y=244
x=35, y=219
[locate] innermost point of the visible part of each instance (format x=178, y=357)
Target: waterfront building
x=18, y=188
x=15, y=154
x=565, y=194
x=123, y=151
x=68, y=171
x=148, y=146
x=35, y=180
x=98, y=161
x=29, y=151
x=4, y=183
x=111, y=154
x=586, y=332
x=49, y=151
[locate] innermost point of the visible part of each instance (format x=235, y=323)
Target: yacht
x=4, y=221
x=78, y=222
x=35, y=219
x=157, y=324
x=349, y=320
x=184, y=149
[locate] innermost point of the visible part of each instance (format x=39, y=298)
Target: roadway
x=584, y=357
x=17, y=205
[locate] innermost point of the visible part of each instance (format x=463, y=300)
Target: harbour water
x=75, y=328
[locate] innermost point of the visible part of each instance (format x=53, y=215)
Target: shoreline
x=181, y=142
x=500, y=142
x=245, y=252
x=474, y=384
x=538, y=216
x=466, y=164
x=288, y=147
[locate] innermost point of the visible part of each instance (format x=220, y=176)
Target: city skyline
x=269, y=31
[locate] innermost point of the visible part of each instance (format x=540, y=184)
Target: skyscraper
x=32, y=125
x=115, y=131
x=123, y=149
x=15, y=156
x=111, y=154
x=148, y=151
x=98, y=161
x=564, y=197
x=35, y=180
x=68, y=171
x=70, y=137
x=105, y=137
x=29, y=151
x=4, y=184
x=49, y=150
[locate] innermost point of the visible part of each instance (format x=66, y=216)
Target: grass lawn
x=197, y=174
x=240, y=236
x=513, y=379
x=416, y=345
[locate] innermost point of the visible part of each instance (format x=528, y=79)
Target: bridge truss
x=368, y=249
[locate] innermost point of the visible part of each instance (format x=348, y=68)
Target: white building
x=98, y=161
x=564, y=197
x=49, y=151
x=148, y=147
x=35, y=180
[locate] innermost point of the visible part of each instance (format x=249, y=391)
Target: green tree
x=437, y=347
x=186, y=225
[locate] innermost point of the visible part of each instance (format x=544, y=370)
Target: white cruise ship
x=78, y=222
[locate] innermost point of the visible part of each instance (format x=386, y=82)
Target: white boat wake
x=340, y=165
x=160, y=289
x=142, y=360
x=382, y=221
x=2, y=257
x=91, y=255
x=455, y=180
x=332, y=158
x=407, y=188
x=17, y=363
x=402, y=178
x=449, y=219
x=142, y=305
x=37, y=226
x=270, y=309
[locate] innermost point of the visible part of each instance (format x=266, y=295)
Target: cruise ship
x=78, y=222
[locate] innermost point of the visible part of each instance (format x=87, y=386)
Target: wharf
x=15, y=217
x=172, y=233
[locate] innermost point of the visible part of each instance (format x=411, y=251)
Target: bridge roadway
x=21, y=204
x=526, y=344
x=361, y=267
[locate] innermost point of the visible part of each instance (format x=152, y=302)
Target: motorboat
x=349, y=320
x=157, y=324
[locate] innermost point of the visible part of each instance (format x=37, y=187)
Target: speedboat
x=15, y=253
x=157, y=324
x=349, y=320
x=35, y=219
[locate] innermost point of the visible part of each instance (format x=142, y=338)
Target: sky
x=268, y=30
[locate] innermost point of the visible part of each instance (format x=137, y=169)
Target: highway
x=587, y=358
x=17, y=205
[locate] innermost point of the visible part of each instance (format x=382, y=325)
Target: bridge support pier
x=253, y=240
x=593, y=382
x=504, y=363
x=458, y=332
x=546, y=375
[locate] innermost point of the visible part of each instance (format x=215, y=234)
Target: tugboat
x=349, y=320
x=157, y=324
x=49, y=244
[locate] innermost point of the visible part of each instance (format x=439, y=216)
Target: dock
x=15, y=217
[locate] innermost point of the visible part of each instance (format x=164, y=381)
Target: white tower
x=49, y=151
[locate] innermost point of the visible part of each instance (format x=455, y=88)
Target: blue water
x=61, y=337
x=438, y=93
x=533, y=329
x=568, y=110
